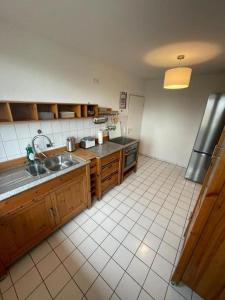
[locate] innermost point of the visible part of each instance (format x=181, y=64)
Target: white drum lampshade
x=177, y=78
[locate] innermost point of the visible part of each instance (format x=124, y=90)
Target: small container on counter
x=71, y=144
x=100, y=137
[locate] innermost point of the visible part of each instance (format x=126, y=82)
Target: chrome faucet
x=33, y=145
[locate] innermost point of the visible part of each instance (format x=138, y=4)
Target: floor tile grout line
x=117, y=248
x=62, y=264
x=179, y=253
x=124, y=215
x=161, y=242
x=176, y=253
x=132, y=260
x=155, y=256
x=43, y=279
x=13, y=285
x=115, y=251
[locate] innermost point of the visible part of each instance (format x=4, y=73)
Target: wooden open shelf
x=48, y=107
x=5, y=113
x=84, y=111
x=92, y=110
x=76, y=108
x=26, y=111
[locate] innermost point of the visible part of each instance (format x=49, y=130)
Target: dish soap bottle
x=30, y=153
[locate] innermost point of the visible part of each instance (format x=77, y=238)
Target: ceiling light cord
x=180, y=58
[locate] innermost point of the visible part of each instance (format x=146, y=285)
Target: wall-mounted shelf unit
x=49, y=108
x=26, y=111
x=5, y=113
x=92, y=110
x=84, y=111
x=76, y=108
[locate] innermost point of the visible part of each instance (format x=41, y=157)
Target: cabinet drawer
x=109, y=182
x=110, y=158
x=110, y=169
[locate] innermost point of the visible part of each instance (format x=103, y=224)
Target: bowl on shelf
x=45, y=115
x=67, y=114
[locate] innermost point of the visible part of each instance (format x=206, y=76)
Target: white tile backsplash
x=12, y=149
x=23, y=144
x=8, y=132
x=46, y=127
x=2, y=152
x=14, y=138
x=34, y=126
x=22, y=130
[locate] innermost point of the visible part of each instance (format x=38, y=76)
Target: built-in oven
x=130, y=156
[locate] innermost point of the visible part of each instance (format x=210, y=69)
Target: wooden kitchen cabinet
x=202, y=260
x=29, y=217
x=68, y=200
x=108, y=172
x=21, y=228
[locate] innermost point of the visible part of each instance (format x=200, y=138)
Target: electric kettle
x=71, y=144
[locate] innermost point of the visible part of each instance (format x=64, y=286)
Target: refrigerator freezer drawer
x=198, y=166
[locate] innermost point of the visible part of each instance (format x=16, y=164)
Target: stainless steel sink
x=36, y=169
x=59, y=162
x=13, y=178
x=17, y=177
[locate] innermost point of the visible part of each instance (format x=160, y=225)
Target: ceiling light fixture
x=177, y=78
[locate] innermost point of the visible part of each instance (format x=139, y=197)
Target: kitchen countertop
x=85, y=154
x=81, y=155
x=101, y=150
x=29, y=181
x=105, y=149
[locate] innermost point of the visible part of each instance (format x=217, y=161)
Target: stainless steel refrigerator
x=208, y=136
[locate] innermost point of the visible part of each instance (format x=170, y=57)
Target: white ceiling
x=133, y=34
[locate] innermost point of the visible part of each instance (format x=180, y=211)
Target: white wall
x=33, y=68
x=172, y=117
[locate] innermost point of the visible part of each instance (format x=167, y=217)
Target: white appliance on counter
x=87, y=142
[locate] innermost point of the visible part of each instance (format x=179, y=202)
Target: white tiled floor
x=124, y=247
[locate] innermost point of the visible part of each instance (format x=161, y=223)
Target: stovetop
x=122, y=140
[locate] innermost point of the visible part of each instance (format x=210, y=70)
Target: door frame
x=135, y=95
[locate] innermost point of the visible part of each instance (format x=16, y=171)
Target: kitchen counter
x=85, y=154
x=21, y=180
x=106, y=149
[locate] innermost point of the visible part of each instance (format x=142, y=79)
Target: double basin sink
x=51, y=164
x=17, y=177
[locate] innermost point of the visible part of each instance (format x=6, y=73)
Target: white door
x=135, y=113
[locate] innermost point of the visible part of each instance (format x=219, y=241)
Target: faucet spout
x=34, y=147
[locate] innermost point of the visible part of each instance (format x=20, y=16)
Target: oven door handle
x=131, y=152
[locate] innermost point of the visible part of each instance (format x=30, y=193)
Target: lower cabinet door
x=25, y=227
x=69, y=199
